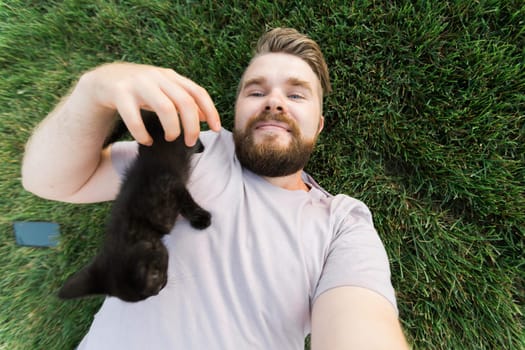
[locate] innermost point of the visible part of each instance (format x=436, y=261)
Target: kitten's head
x=135, y=274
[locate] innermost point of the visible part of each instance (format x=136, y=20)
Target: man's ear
x=321, y=125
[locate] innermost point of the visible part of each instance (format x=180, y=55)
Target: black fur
x=133, y=261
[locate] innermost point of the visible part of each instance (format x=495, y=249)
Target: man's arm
x=64, y=159
x=65, y=151
x=355, y=318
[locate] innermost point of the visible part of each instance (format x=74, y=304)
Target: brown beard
x=268, y=158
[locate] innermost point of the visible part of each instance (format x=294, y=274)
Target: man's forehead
x=291, y=81
x=281, y=67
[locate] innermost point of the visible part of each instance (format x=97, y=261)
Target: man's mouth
x=272, y=125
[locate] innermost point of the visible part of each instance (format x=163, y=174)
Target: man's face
x=277, y=115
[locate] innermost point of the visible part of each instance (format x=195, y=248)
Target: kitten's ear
x=83, y=283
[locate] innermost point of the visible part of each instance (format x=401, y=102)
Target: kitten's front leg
x=198, y=217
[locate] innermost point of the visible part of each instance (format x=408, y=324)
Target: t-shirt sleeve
x=122, y=155
x=356, y=256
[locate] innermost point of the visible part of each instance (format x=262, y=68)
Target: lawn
x=426, y=125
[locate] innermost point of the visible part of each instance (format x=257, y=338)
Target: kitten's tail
x=151, y=122
x=153, y=125
x=155, y=129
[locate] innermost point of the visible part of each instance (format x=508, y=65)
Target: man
x=282, y=257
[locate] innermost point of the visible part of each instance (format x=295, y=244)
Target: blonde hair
x=290, y=41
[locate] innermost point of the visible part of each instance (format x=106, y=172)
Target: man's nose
x=275, y=103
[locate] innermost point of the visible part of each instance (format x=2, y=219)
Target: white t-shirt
x=250, y=279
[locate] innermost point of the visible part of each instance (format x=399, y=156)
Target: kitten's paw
x=200, y=219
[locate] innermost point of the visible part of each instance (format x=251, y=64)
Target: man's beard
x=268, y=157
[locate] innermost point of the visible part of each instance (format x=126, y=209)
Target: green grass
x=426, y=125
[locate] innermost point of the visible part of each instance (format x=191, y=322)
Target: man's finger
x=130, y=114
x=201, y=97
x=188, y=111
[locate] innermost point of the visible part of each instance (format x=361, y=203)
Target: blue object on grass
x=36, y=233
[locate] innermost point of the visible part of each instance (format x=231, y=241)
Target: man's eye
x=295, y=96
x=256, y=94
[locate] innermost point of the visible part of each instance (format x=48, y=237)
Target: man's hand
x=178, y=101
x=63, y=159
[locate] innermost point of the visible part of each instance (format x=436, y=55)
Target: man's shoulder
x=218, y=145
x=350, y=204
x=340, y=200
x=209, y=137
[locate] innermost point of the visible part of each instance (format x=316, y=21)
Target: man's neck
x=293, y=182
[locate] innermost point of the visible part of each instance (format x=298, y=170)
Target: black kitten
x=133, y=261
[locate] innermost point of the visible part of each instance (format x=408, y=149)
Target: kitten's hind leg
x=197, y=216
